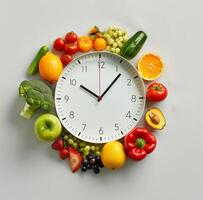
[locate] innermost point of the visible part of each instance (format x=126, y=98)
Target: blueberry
x=93, y=161
x=84, y=168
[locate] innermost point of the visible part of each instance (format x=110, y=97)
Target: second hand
x=99, y=99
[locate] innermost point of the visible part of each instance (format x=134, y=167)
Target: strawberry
x=75, y=159
x=58, y=144
x=64, y=153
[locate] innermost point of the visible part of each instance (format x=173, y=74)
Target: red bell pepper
x=138, y=143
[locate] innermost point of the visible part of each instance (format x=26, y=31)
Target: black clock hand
x=107, y=89
x=89, y=91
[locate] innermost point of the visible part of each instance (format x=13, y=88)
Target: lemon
x=113, y=155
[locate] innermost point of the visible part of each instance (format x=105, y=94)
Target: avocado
x=155, y=118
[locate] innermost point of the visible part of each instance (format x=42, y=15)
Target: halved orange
x=150, y=66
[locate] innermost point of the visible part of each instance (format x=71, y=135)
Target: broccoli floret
x=37, y=95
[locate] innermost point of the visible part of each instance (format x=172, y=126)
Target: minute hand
x=107, y=89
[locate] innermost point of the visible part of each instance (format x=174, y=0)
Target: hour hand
x=89, y=91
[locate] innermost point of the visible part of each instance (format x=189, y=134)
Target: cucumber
x=33, y=67
x=133, y=45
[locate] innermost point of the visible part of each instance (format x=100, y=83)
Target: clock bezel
x=140, y=79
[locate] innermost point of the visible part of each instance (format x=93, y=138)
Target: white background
x=31, y=170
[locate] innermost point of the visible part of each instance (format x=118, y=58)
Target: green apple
x=47, y=127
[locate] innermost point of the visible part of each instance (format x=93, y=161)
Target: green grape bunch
x=85, y=148
x=115, y=38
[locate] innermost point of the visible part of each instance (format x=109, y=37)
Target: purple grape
x=93, y=161
x=85, y=162
x=89, y=166
x=89, y=157
x=84, y=168
x=96, y=169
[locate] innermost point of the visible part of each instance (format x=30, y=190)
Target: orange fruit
x=99, y=44
x=50, y=67
x=150, y=66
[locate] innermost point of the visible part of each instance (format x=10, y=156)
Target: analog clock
x=99, y=97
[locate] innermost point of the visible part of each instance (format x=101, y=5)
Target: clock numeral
x=129, y=82
x=102, y=63
x=66, y=98
x=72, y=114
x=133, y=98
x=84, y=126
x=116, y=68
x=101, y=131
x=116, y=127
x=84, y=68
x=73, y=82
x=128, y=115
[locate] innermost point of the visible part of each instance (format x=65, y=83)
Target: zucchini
x=33, y=67
x=133, y=45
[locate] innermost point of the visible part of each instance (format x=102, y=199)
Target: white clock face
x=99, y=97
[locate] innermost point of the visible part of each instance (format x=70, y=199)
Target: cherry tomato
x=156, y=92
x=66, y=59
x=71, y=37
x=85, y=43
x=59, y=44
x=71, y=48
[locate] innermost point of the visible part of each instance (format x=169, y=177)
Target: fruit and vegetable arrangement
x=39, y=95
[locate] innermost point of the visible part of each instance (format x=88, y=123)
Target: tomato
x=66, y=59
x=156, y=92
x=84, y=43
x=59, y=44
x=71, y=37
x=71, y=48
x=99, y=44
